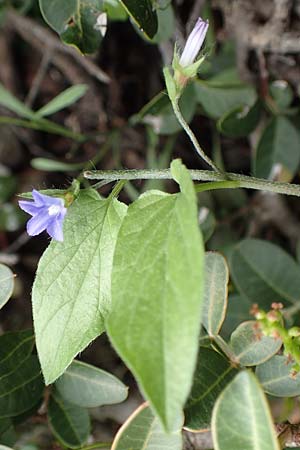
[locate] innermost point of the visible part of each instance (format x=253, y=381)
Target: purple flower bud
x=47, y=213
x=194, y=43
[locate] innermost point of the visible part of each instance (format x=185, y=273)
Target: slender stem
x=196, y=175
x=117, y=189
x=192, y=137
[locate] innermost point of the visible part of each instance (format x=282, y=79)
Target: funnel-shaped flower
x=194, y=43
x=47, y=213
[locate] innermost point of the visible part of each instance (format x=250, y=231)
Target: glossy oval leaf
x=75, y=21
x=70, y=423
x=142, y=430
x=87, y=386
x=6, y=284
x=143, y=14
x=238, y=311
x=71, y=293
x=157, y=294
x=264, y=273
x=242, y=418
x=15, y=347
x=215, y=292
x=276, y=378
x=212, y=374
x=21, y=389
x=279, y=144
x=250, y=347
x=217, y=99
x=63, y=100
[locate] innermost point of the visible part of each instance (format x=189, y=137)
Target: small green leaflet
x=276, y=378
x=142, y=430
x=242, y=418
x=69, y=423
x=87, y=386
x=157, y=286
x=71, y=293
x=215, y=292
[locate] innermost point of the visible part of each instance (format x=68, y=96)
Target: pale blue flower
x=47, y=213
x=194, y=43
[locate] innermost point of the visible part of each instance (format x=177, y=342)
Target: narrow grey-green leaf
x=21, y=389
x=6, y=284
x=212, y=374
x=51, y=165
x=215, y=292
x=157, y=292
x=143, y=14
x=15, y=347
x=265, y=273
x=279, y=144
x=70, y=423
x=249, y=347
x=242, y=419
x=10, y=102
x=142, y=430
x=276, y=378
x=87, y=386
x=71, y=293
x=63, y=100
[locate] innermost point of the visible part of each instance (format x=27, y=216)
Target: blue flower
x=47, y=213
x=194, y=43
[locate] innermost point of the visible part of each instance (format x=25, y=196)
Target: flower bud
x=194, y=43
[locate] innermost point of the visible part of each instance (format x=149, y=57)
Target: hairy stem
x=241, y=181
x=192, y=137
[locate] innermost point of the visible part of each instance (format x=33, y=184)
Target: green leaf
x=142, y=430
x=276, y=379
x=20, y=389
x=240, y=121
x=213, y=373
x=63, y=100
x=75, y=21
x=279, y=144
x=143, y=14
x=10, y=102
x=71, y=293
x=6, y=284
x=265, y=273
x=249, y=347
x=51, y=165
x=157, y=294
x=215, y=292
x=152, y=108
x=241, y=417
x=87, y=386
x=15, y=347
x=70, y=423
x=217, y=99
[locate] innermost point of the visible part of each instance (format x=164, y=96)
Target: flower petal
x=194, y=43
x=55, y=229
x=29, y=207
x=46, y=200
x=37, y=224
